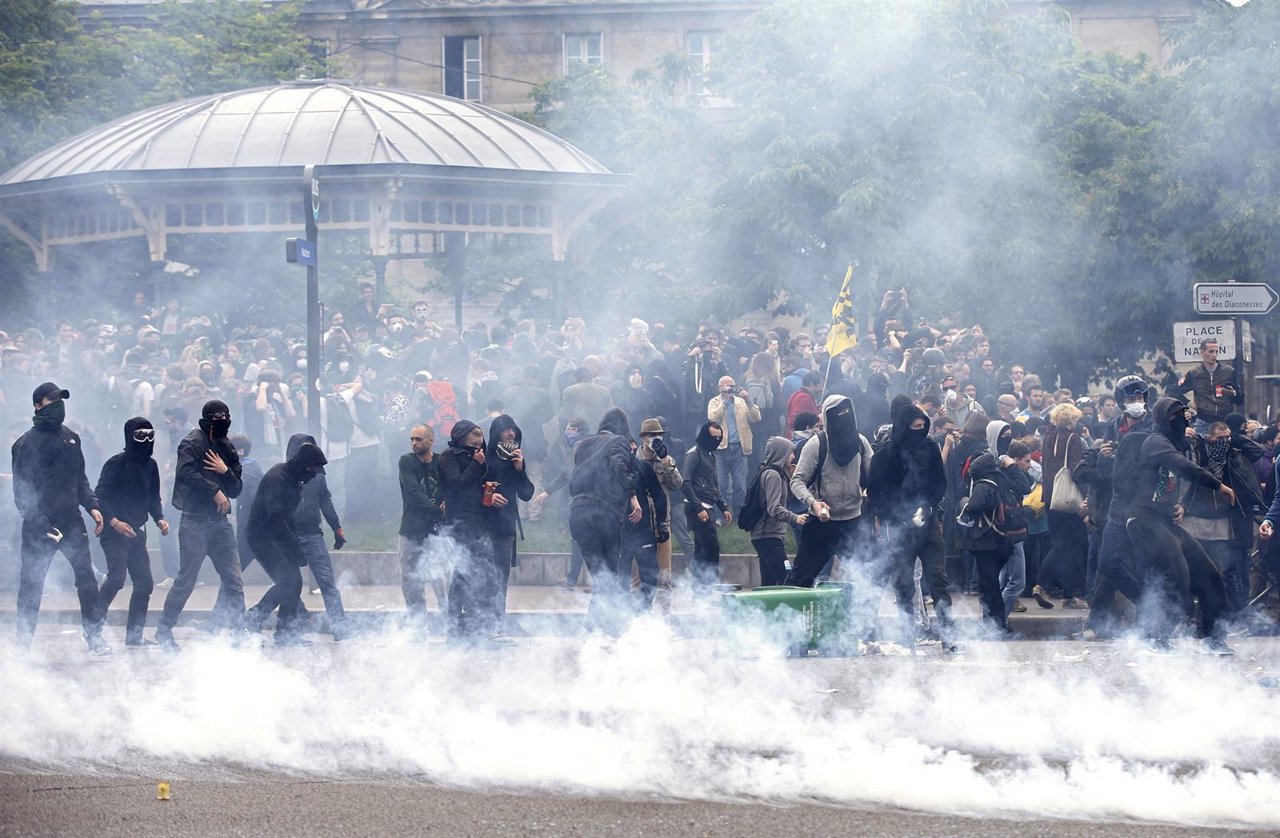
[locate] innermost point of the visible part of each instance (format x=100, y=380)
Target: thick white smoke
x=1097, y=732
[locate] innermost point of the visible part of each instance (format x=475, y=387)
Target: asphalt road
x=647, y=735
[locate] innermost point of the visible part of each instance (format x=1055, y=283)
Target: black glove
x=664, y=535
x=339, y=540
x=659, y=448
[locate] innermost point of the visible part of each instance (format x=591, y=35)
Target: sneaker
x=164, y=639
x=98, y=645
x=1041, y=597
x=253, y=620
x=315, y=592
x=1019, y=607
x=166, y=582
x=1216, y=646
x=1075, y=603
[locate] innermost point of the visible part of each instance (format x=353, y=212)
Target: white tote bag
x=1066, y=495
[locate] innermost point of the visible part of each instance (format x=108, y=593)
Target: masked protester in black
x=50, y=487
x=505, y=458
x=704, y=506
x=906, y=485
x=129, y=492
x=1181, y=566
x=316, y=502
x=206, y=480
x=472, y=589
x=602, y=494
x=273, y=534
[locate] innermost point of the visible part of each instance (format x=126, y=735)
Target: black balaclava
x=306, y=462
x=1004, y=441
x=1170, y=417
x=842, y=429
x=51, y=416
x=219, y=427
x=705, y=440
x=133, y=449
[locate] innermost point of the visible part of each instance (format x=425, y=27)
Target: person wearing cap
x=207, y=477
x=653, y=451
x=50, y=488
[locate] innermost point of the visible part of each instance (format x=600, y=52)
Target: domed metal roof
x=308, y=122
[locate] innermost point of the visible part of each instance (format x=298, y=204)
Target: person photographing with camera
x=470, y=498
x=734, y=411
x=504, y=457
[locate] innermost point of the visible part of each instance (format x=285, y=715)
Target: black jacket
x=653, y=505
x=49, y=482
x=1162, y=461
x=272, y=515
x=991, y=486
x=513, y=484
x=193, y=485
x=317, y=500
x=421, y=493
x=701, y=484
x=129, y=490
x=905, y=477
x=603, y=472
x=463, y=477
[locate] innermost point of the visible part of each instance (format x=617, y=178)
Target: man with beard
x=828, y=480
x=906, y=484
x=506, y=467
x=128, y=493
x=422, y=499
x=1181, y=566
x=206, y=479
x=50, y=487
x=704, y=505
x=602, y=493
x=273, y=535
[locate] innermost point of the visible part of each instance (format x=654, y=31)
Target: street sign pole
x=310, y=212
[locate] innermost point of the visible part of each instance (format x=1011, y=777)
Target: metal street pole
x=311, y=212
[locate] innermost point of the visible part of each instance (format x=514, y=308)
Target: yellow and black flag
x=844, y=325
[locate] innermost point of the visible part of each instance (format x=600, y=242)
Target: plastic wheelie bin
x=805, y=621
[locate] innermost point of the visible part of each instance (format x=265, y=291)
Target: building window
x=703, y=47
x=462, y=67
x=583, y=51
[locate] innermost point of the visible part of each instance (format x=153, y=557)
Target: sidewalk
x=533, y=610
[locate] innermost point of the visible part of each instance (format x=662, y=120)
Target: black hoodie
x=907, y=474
x=317, y=500
x=1162, y=461
x=272, y=516
x=129, y=484
x=513, y=484
x=602, y=466
x=463, y=477
x=701, y=483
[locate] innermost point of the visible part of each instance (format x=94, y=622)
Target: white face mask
x=1135, y=410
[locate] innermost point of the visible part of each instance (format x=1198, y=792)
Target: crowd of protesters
x=918, y=458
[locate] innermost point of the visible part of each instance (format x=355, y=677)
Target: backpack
x=1008, y=520
x=444, y=413
x=368, y=415
x=815, y=480
x=753, y=508
x=339, y=425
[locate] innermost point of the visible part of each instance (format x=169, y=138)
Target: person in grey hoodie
x=768, y=535
x=829, y=480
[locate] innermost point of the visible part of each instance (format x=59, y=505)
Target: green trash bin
x=808, y=621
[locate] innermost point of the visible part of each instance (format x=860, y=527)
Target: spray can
x=162, y=790
x=489, y=488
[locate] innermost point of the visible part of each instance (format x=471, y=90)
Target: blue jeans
x=731, y=472
x=1013, y=578
x=321, y=564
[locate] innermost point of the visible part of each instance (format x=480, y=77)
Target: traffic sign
x=300, y=251
x=1234, y=298
x=1187, y=338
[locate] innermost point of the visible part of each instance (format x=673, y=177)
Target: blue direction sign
x=300, y=251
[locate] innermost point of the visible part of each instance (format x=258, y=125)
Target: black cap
x=46, y=390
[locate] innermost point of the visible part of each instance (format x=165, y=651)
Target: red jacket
x=799, y=402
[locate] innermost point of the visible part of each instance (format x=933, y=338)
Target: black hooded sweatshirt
x=907, y=474
x=463, y=477
x=990, y=487
x=274, y=507
x=513, y=485
x=1163, y=460
x=317, y=500
x=701, y=483
x=193, y=485
x=129, y=484
x=603, y=475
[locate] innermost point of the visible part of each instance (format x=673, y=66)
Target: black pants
x=473, y=589
x=597, y=530
x=504, y=558
x=1069, y=554
x=37, y=555
x=705, y=566
x=820, y=541
x=1182, y=570
x=286, y=586
x=199, y=536
x=909, y=542
x=643, y=552
x=127, y=555
x=772, y=553
x=1115, y=555
x=989, y=563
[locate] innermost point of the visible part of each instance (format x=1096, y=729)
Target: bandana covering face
x=51, y=416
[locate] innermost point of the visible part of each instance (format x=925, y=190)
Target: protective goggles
x=144, y=435
x=1134, y=388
